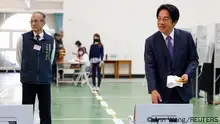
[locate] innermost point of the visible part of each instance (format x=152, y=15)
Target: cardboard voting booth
x=161, y=114
x=16, y=114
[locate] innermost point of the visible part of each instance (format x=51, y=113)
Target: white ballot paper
x=172, y=81
x=73, y=61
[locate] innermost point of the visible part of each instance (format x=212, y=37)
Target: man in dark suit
x=170, y=51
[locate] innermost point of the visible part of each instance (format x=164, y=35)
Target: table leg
x=130, y=69
x=103, y=71
x=117, y=69
x=57, y=75
x=77, y=78
x=86, y=77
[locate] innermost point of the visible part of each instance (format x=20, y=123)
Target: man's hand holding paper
x=174, y=81
x=184, y=78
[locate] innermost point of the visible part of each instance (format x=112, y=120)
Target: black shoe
x=216, y=103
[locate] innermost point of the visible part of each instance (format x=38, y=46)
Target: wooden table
x=117, y=64
x=74, y=66
x=114, y=62
x=129, y=66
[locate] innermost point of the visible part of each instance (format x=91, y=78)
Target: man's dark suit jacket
x=159, y=63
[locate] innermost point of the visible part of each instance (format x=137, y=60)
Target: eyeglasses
x=35, y=21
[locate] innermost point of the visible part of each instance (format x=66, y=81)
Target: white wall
x=125, y=24
x=21, y=6
x=7, y=21
x=34, y=4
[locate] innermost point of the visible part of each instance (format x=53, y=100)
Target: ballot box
x=16, y=114
x=162, y=114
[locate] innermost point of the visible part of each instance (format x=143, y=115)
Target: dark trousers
x=96, y=68
x=209, y=97
x=175, y=98
x=43, y=92
x=54, y=71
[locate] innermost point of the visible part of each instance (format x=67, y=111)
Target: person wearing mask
x=170, y=51
x=35, y=54
x=96, y=59
x=83, y=58
x=59, y=56
x=78, y=45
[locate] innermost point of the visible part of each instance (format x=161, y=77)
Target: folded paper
x=172, y=81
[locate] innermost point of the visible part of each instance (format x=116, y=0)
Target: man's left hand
x=184, y=78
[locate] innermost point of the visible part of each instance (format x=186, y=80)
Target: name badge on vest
x=37, y=47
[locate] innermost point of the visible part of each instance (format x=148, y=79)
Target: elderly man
x=35, y=54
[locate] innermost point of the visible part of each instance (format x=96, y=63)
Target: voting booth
x=209, y=44
x=216, y=76
x=161, y=114
x=16, y=114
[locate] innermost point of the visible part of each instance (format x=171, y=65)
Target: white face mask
x=80, y=52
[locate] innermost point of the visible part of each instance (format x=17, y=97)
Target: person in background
x=35, y=54
x=96, y=59
x=61, y=33
x=59, y=56
x=83, y=58
x=79, y=45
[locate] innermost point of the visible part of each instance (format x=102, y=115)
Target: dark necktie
x=38, y=37
x=170, y=45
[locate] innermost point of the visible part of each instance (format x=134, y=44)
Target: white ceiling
x=56, y=5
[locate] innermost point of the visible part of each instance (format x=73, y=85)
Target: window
x=19, y=22
x=10, y=31
x=9, y=57
x=4, y=39
x=15, y=36
x=15, y=22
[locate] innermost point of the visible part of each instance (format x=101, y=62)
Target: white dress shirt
x=20, y=47
x=171, y=35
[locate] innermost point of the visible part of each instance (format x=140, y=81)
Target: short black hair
x=78, y=43
x=56, y=34
x=43, y=15
x=173, y=11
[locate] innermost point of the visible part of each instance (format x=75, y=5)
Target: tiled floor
x=77, y=105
